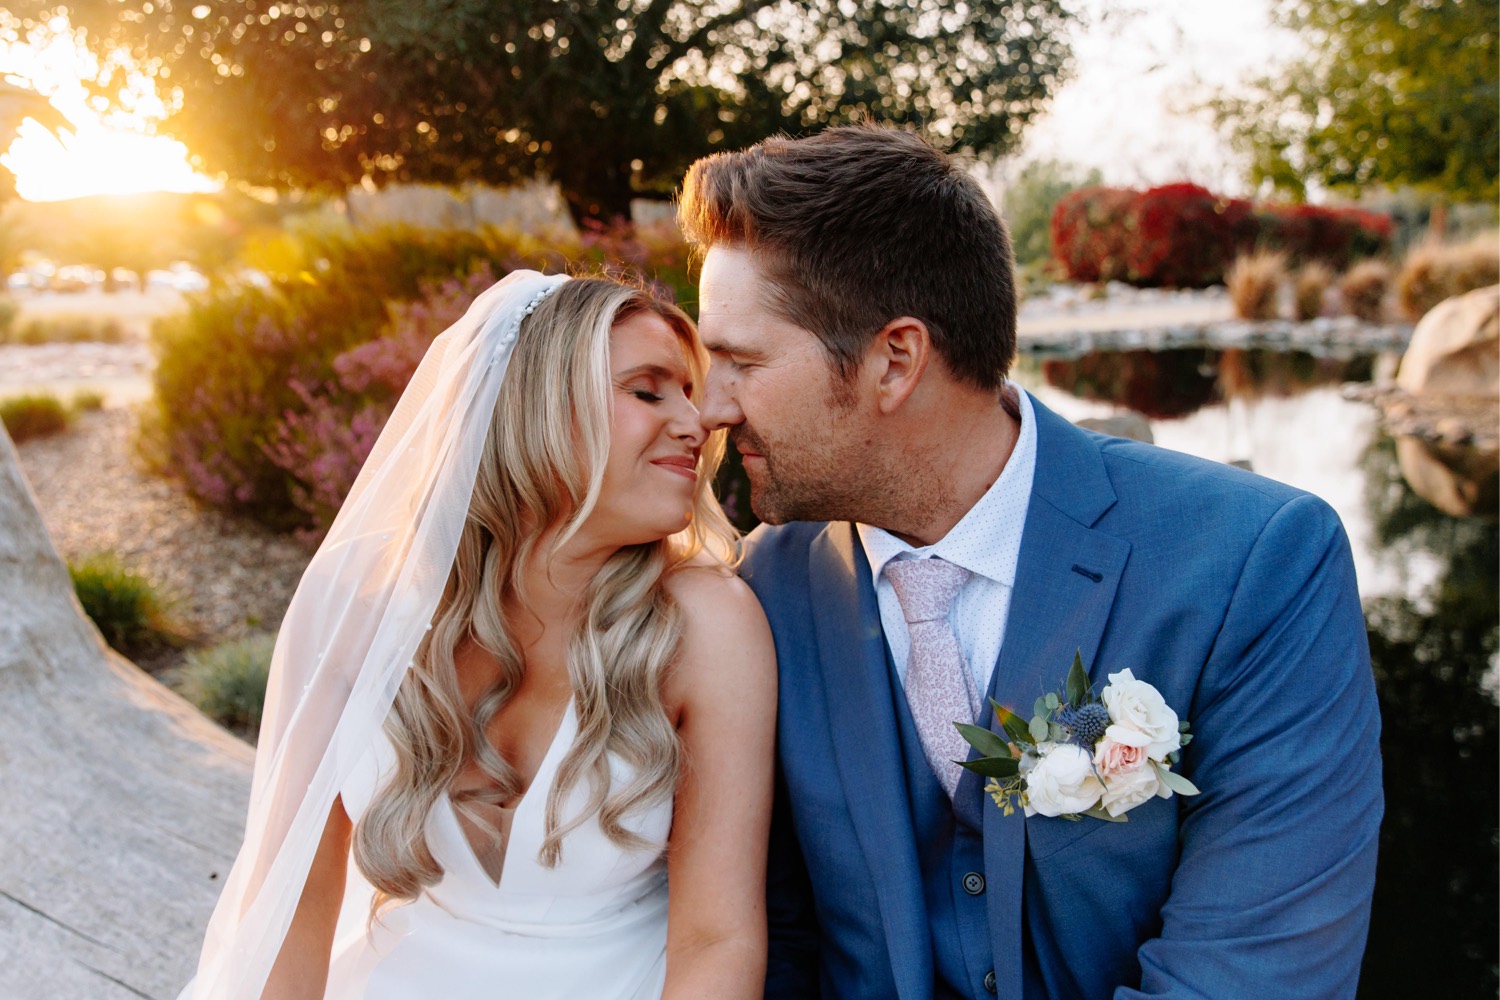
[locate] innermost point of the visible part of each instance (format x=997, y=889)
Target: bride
x=518, y=690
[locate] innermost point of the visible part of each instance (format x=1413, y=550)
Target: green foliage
x=65, y=329
x=1029, y=202
x=1393, y=93
x=127, y=608
x=87, y=401
x=9, y=310
x=33, y=415
x=228, y=682
x=609, y=100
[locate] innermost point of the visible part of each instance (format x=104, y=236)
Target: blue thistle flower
x=1085, y=724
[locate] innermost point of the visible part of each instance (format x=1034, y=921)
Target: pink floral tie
x=939, y=686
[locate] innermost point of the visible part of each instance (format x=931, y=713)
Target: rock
x=1455, y=349
x=123, y=805
x=1461, y=481
x=1123, y=425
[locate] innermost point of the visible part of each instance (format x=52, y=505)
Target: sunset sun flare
x=113, y=152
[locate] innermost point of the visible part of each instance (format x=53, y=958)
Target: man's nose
x=719, y=408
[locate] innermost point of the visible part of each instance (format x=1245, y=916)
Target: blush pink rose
x=1112, y=758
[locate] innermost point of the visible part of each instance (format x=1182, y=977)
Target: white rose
x=1139, y=716
x=1128, y=789
x=1061, y=781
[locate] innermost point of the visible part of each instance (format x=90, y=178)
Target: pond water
x=1428, y=581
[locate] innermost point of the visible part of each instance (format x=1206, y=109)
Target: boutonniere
x=1082, y=755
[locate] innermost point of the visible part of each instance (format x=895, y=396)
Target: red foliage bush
x=1184, y=236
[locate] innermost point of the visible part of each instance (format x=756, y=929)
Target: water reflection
x=1164, y=385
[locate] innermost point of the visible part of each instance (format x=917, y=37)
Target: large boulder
x=1455, y=349
x=122, y=805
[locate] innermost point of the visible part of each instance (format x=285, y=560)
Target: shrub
x=66, y=330
x=125, y=606
x=1364, y=290
x=87, y=400
x=1432, y=273
x=1089, y=235
x=33, y=415
x=1182, y=235
x=1309, y=287
x=251, y=410
x=228, y=682
x=1255, y=282
x=9, y=310
x=1336, y=236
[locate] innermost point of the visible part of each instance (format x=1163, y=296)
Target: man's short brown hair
x=858, y=225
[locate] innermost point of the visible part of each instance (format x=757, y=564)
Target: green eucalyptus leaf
x=1040, y=708
x=1040, y=729
x=1053, y=702
x=992, y=767
x=1175, y=781
x=1078, y=682
x=983, y=740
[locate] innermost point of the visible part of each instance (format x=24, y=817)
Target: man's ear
x=898, y=358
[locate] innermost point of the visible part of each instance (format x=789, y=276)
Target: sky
x=1140, y=66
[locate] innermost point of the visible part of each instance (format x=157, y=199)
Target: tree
x=1391, y=92
x=17, y=104
x=1030, y=199
x=611, y=100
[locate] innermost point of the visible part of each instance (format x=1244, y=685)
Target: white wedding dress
x=594, y=926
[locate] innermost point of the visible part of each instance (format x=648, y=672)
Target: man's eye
x=646, y=395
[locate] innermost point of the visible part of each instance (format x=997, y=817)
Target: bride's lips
x=683, y=465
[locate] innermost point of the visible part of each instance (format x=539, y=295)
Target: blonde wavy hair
x=543, y=466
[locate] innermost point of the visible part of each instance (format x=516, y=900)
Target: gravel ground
x=225, y=577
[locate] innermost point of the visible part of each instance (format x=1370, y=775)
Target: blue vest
x=950, y=852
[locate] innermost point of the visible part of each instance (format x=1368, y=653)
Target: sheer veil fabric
x=355, y=623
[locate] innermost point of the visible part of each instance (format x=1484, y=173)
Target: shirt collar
x=987, y=539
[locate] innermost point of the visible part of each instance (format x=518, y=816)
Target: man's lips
x=683, y=465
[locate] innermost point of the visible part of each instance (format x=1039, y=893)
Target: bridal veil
x=354, y=626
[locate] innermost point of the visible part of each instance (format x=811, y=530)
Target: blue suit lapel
x=867, y=747
x=1065, y=585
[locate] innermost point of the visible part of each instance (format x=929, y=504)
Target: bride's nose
x=686, y=425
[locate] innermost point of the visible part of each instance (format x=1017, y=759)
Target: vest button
x=973, y=883
x=989, y=980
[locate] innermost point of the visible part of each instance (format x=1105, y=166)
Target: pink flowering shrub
x=268, y=399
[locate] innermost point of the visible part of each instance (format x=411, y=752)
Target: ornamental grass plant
x=33, y=415
x=1434, y=272
x=228, y=681
x=1365, y=289
x=64, y=329
x=1310, y=288
x=1255, y=281
x=129, y=609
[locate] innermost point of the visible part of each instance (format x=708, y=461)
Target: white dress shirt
x=987, y=543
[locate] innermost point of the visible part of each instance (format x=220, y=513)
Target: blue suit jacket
x=1233, y=595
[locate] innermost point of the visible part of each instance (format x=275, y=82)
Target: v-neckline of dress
x=515, y=811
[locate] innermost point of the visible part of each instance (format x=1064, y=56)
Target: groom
x=858, y=299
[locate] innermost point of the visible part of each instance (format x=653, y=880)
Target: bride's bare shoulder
x=723, y=625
